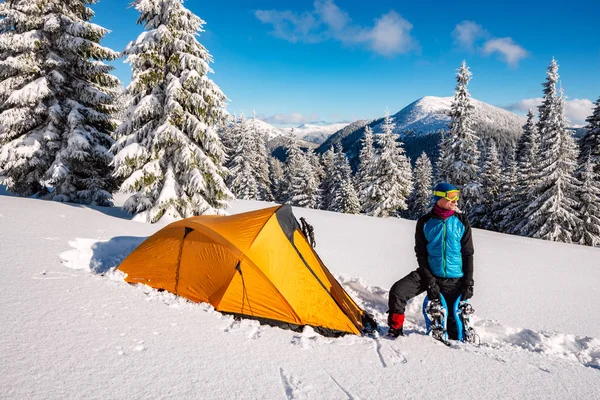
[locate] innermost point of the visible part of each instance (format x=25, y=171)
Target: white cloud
x=390, y=34
x=467, y=33
x=471, y=36
x=332, y=15
x=291, y=27
x=577, y=110
x=510, y=51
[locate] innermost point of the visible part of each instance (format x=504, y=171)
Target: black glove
x=433, y=290
x=467, y=289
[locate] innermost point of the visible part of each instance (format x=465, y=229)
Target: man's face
x=447, y=204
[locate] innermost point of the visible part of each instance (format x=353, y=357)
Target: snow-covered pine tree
x=552, y=214
x=344, y=195
x=302, y=189
x=443, y=161
x=56, y=96
x=276, y=178
x=491, y=186
x=242, y=174
x=588, y=231
x=122, y=100
x=461, y=154
x=226, y=132
x=364, y=174
x=328, y=183
x=589, y=161
x=392, y=180
x=315, y=162
x=168, y=148
x=347, y=199
x=261, y=163
x=508, y=190
x=590, y=143
x=419, y=202
x=518, y=195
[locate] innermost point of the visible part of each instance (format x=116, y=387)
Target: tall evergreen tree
x=364, y=174
x=491, y=184
x=590, y=143
x=260, y=163
x=315, y=162
x=347, y=201
x=344, y=197
x=302, y=188
x=588, y=231
x=507, y=197
x=392, y=181
x=519, y=195
x=552, y=214
x=276, y=177
x=327, y=186
x=461, y=154
x=56, y=101
x=420, y=199
x=443, y=163
x=168, y=149
x=226, y=132
x=242, y=178
x=589, y=161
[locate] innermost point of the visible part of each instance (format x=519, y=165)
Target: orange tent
x=256, y=264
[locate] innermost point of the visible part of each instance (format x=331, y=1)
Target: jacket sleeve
x=421, y=252
x=467, y=250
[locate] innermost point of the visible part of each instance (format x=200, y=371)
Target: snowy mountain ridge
x=431, y=114
x=306, y=132
x=315, y=133
x=420, y=123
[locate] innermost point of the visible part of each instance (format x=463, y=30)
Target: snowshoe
x=436, y=317
x=462, y=314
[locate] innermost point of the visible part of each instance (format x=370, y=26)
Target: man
x=444, y=249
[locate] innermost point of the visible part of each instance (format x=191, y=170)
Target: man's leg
x=402, y=291
x=451, y=288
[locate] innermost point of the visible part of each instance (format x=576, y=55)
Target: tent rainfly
x=257, y=265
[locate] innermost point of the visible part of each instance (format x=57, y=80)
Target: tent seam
x=207, y=230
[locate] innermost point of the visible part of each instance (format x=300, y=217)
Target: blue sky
x=333, y=60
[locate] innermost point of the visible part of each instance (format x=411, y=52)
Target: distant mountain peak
x=430, y=114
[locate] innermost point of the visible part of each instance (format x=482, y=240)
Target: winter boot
x=395, y=321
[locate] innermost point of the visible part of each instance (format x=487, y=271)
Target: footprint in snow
x=293, y=387
x=388, y=354
x=309, y=338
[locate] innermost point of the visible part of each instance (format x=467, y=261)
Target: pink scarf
x=442, y=213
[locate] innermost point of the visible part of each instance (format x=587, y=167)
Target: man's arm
x=467, y=250
x=421, y=252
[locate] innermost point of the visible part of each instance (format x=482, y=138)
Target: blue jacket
x=444, y=248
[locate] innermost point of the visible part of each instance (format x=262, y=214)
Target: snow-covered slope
x=72, y=329
x=267, y=129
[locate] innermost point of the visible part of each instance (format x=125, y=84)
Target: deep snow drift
x=71, y=328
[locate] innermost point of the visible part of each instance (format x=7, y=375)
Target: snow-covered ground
x=70, y=328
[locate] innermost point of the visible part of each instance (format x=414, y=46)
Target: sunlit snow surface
x=70, y=328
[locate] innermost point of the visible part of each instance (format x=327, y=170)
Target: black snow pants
x=412, y=285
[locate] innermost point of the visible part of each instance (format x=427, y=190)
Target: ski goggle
x=450, y=195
